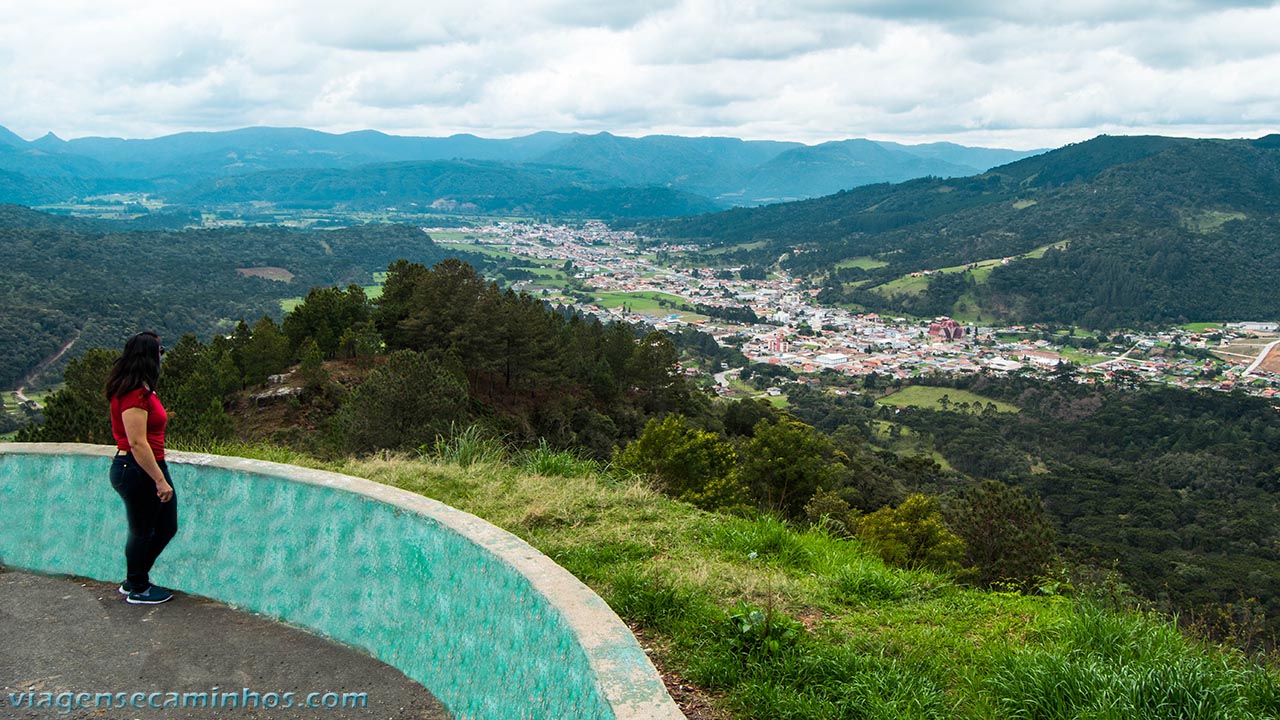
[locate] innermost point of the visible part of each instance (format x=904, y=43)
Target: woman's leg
x=143, y=510
x=166, y=522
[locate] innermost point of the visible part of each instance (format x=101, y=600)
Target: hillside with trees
x=96, y=282
x=1175, y=490
x=1111, y=232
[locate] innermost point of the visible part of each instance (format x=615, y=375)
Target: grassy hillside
x=750, y=618
x=930, y=397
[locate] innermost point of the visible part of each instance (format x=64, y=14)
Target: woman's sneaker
x=126, y=588
x=153, y=595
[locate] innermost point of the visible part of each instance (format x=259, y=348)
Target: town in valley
x=619, y=275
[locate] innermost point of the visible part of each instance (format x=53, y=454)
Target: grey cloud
x=374, y=29
x=714, y=97
x=1032, y=12
x=612, y=14
x=413, y=89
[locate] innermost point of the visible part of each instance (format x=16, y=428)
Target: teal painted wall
x=403, y=586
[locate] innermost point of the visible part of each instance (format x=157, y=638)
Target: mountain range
x=679, y=175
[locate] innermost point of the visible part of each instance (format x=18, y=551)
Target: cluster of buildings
x=794, y=331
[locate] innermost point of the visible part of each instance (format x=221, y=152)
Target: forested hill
x=1142, y=229
x=95, y=283
x=469, y=186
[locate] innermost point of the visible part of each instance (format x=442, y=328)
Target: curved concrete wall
x=492, y=627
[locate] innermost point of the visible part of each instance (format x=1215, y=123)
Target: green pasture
x=925, y=396
x=1208, y=221
x=865, y=262
x=490, y=250
x=647, y=302
x=981, y=271
x=739, y=246
x=1080, y=357
x=1202, y=326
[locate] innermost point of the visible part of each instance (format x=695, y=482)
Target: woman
x=138, y=472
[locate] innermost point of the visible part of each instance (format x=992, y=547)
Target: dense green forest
x=94, y=282
x=470, y=187
x=1143, y=230
x=1161, y=492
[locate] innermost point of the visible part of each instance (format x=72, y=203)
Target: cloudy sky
x=1031, y=73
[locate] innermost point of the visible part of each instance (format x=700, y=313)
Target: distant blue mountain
x=806, y=172
x=724, y=171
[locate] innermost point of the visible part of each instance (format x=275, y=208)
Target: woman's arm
x=135, y=429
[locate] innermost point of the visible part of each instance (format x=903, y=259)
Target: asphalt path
x=63, y=635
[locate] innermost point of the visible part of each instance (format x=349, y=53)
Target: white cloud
x=1020, y=74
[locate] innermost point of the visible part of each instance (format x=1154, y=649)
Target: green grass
x=479, y=249
x=769, y=620
x=864, y=262
x=981, y=271
x=926, y=396
x=544, y=460
x=1080, y=357
x=906, y=285
x=373, y=292
x=638, y=301
x=443, y=237
x=1208, y=221
x=646, y=303
x=546, y=272
x=1202, y=326
x=740, y=246
x=908, y=442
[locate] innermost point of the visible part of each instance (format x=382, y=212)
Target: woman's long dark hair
x=137, y=367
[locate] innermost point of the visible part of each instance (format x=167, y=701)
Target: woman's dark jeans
x=152, y=524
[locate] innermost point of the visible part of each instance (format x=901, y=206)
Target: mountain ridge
x=720, y=169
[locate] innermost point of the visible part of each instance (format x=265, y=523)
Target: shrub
x=692, y=465
x=912, y=535
x=407, y=401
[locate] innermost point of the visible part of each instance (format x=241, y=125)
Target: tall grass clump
x=464, y=447
x=1112, y=666
x=868, y=581
x=765, y=538
x=544, y=460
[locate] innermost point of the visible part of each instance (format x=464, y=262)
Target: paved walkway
x=71, y=635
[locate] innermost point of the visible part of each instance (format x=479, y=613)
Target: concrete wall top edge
x=626, y=677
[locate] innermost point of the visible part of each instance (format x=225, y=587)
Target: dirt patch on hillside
x=278, y=274
x=696, y=703
x=1272, y=363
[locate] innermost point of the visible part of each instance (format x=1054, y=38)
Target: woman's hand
x=135, y=429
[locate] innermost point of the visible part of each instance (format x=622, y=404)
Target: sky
x=1025, y=74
